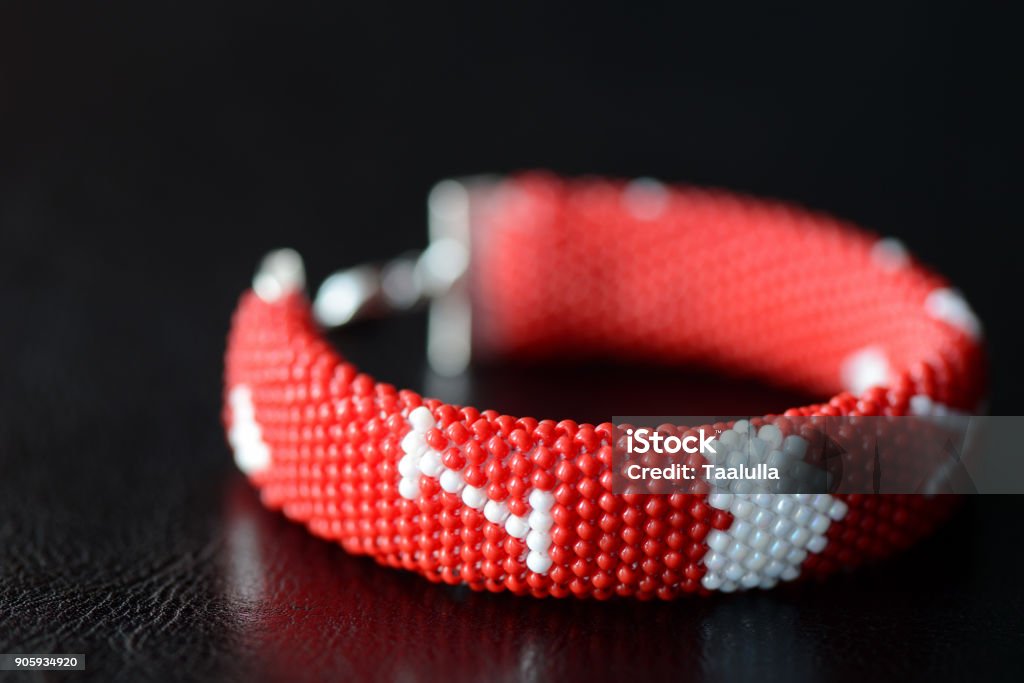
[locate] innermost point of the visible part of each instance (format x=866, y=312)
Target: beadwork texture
x=504, y=503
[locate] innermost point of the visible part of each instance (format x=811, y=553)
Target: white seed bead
x=430, y=463
x=538, y=562
x=711, y=581
x=734, y=572
x=864, y=369
x=759, y=540
x=740, y=530
x=538, y=540
x=408, y=466
x=796, y=556
x=950, y=306
x=790, y=573
x=742, y=486
x=778, y=460
x=890, y=253
x=771, y=434
x=795, y=446
x=920, y=404
x=728, y=439
x=421, y=419
x=763, y=519
x=496, y=512
x=743, y=509
x=451, y=481
x=737, y=551
x=516, y=526
x=253, y=457
x=822, y=502
x=244, y=431
x=782, y=527
x=715, y=561
x=474, y=497
x=820, y=524
x=541, y=500
x=799, y=537
x=541, y=521
x=756, y=561
x=413, y=443
x=838, y=510
x=409, y=488
x=803, y=515
x=784, y=506
x=817, y=544
x=720, y=501
x=243, y=412
x=750, y=580
x=736, y=459
x=718, y=540
x=778, y=549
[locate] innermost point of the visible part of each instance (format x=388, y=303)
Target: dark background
x=149, y=155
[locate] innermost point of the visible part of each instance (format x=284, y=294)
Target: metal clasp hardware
x=436, y=275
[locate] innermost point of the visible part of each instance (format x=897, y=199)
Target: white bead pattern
x=890, y=253
x=280, y=273
x=741, y=447
x=950, y=306
x=769, y=538
x=864, y=369
x=538, y=540
x=923, y=405
x=420, y=459
x=252, y=453
x=645, y=199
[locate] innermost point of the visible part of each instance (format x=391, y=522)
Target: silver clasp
x=436, y=275
x=398, y=285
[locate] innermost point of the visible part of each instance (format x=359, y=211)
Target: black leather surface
x=149, y=156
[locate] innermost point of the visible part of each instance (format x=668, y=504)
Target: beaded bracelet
x=535, y=266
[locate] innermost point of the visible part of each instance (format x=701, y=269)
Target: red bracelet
x=599, y=268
